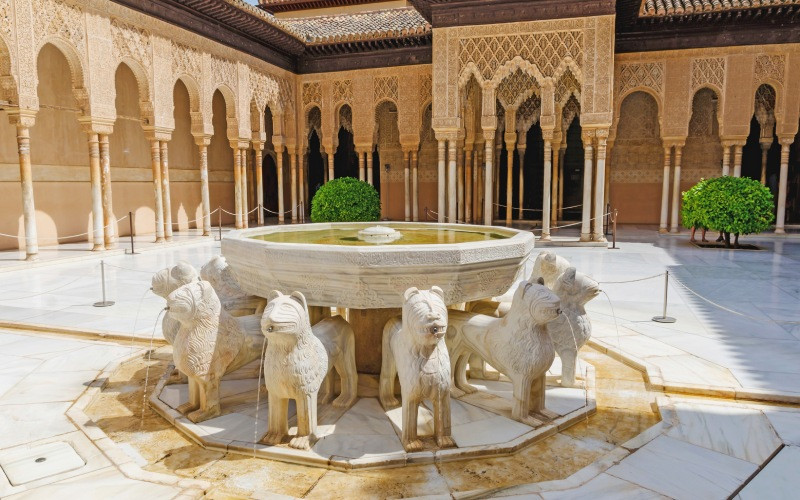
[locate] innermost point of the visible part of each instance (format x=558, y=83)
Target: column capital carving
x=587, y=135
x=785, y=140
x=202, y=140
x=158, y=133
x=240, y=144
x=94, y=125
x=24, y=118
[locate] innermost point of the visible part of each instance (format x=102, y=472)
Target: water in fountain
x=136, y=320
x=613, y=315
x=147, y=370
x=585, y=372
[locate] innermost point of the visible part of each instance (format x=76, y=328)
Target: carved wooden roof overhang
x=646, y=25
x=295, y=5
x=445, y=13
x=387, y=24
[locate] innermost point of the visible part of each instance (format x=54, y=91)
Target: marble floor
x=723, y=380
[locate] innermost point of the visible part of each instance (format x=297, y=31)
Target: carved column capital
x=93, y=125
x=22, y=118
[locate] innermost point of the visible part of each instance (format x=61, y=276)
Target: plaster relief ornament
x=414, y=348
x=297, y=361
x=572, y=329
x=517, y=345
x=217, y=272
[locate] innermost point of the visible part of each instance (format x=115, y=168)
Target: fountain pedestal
x=368, y=326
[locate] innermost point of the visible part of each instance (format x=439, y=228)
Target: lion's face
x=193, y=301
x=425, y=315
x=285, y=316
x=577, y=286
x=543, y=304
x=170, y=279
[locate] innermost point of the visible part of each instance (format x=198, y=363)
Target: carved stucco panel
x=770, y=67
x=708, y=71
x=101, y=68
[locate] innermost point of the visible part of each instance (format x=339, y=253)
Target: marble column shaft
x=96, y=182
x=783, y=181
x=600, y=188
x=764, y=151
x=109, y=221
x=546, y=189
x=460, y=160
x=521, y=188
x=259, y=182
x=468, y=184
x=452, y=190
x=726, y=158
x=737, y=159
x=561, y=176
x=369, y=166
x=415, y=186
x=205, y=198
x=662, y=226
x=279, y=169
x=407, y=184
x=245, y=159
x=441, y=183
x=676, y=191
x=586, y=234
x=361, y=175
x=237, y=186
x=488, y=190
x=155, y=162
x=293, y=168
x=166, y=202
x=554, y=183
x=26, y=182
x=510, y=146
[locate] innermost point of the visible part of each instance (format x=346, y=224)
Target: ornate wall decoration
x=637, y=154
x=572, y=110
x=62, y=20
x=425, y=87
x=346, y=118
x=566, y=86
x=6, y=19
x=342, y=91
x=770, y=67
x=647, y=74
x=515, y=88
x=314, y=122
x=223, y=72
x=385, y=87
x=130, y=41
x=528, y=113
x=704, y=115
x=186, y=61
x=312, y=93
x=265, y=90
x=708, y=70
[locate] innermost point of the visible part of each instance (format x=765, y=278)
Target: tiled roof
x=661, y=8
x=264, y=16
x=377, y=24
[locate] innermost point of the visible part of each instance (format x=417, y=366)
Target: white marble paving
x=604, y=486
x=682, y=470
x=786, y=424
x=778, y=480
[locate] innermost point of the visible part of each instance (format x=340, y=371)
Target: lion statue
x=208, y=344
x=414, y=348
x=217, y=272
x=164, y=283
x=517, y=345
x=571, y=330
x=298, y=360
x=549, y=267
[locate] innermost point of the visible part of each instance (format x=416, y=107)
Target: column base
x=662, y=230
x=544, y=237
x=159, y=239
x=600, y=238
x=586, y=237
x=98, y=247
x=206, y=232
x=674, y=230
x=780, y=230
x=32, y=257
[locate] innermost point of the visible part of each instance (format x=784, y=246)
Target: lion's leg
x=477, y=368
x=538, y=395
x=278, y=423
x=569, y=359
x=441, y=420
x=209, y=401
x=522, y=401
x=460, y=374
x=388, y=376
x=306, y=421
x=327, y=388
x=410, y=440
x=194, y=398
x=348, y=374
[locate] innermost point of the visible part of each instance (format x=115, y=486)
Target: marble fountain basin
x=332, y=267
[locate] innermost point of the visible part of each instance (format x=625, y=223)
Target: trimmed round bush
x=346, y=200
x=732, y=205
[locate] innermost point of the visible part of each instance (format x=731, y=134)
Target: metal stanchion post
x=614, y=230
x=104, y=302
x=130, y=226
x=220, y=222
x=664, y=318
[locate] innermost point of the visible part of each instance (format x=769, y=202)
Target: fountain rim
x=516, y=236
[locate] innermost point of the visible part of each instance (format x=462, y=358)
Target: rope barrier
x=284, y=212
x=194, y=220
x=534, y=209
x=72, y=235
x=631, y=281
x=446, y=217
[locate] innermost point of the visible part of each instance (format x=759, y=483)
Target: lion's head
x=425, y=315
x=194, y=302
x=536, y=300
x=576, y=287
x=548, y=266
x=170, y=279
x=285, y=315
x=217, y=272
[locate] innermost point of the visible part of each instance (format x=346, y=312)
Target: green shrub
x=732, y=205
x=346, y=200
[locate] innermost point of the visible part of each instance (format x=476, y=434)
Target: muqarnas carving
x=414, y=349
x=517, y=345
x=217, y=272
x=297, y=360
x=572, y=329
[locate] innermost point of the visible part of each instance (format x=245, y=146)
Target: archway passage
x=316, y=172
x=269, y=183
x=533, y=175
x=571, y=186
x=220, y=160
x=345, y=161
x=753, y=157
x=793, y=187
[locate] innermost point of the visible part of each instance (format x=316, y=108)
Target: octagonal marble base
x=365, y=436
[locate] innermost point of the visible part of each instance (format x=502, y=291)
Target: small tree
x=346, y=200
x=690, y=211
x=737, y=205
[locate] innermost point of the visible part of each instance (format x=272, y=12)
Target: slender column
x=369, y=165
x=452, y=206
x=304, y=184
x=407, y=184
x=155, y=162
x=783, y=181
x=468, y=183
x=586, y=234
x=259, y=182
x=498, y=149
x=95, y=176
x=415, y=186
x=166, y=203
x=441, y=181
x=676, y=190
x=662, y=226
x=726, y=158
x=237, y=185
x=764, y=150
x=329, y=163
x=488, y=189
x=510, y=145
x=361, y=156
x=202, y=146
x=554, y=184
x=600, y=186
x=301, y=183
x=478, y=176
x=460, y=160
x=244, y=190
x=325, y=177
x=293, y=183
x=109, y=221
x=26, y=180
x=279, y=169
x=561, y=174
x=737, y=159
x=521, y=155
x=546, y=189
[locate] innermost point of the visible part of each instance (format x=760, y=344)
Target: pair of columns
x=593, y=175
x=666, y=216
x=411, y=184
x=365, y=164
x=447, y=185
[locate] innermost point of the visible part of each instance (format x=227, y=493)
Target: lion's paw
x=445, y=442
x=187, y=407
x=272, y=438
x=301, y=442
x=343, y=401
x=414, y=445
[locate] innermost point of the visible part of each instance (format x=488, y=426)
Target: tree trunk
x=727, y=239
x=736, y=241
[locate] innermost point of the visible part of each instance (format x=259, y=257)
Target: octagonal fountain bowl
x=369, y=266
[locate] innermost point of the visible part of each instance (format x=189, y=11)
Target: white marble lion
x=297, y=361
x=217, y=272
x=164, y=283
x=549, y=267
x=571, y=330
x=517, y=345
x=414, y=348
